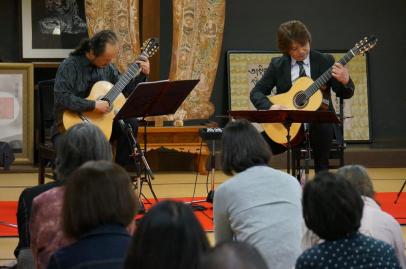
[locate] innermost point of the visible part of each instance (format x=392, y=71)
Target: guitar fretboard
x=327, y=75
x=132, y=72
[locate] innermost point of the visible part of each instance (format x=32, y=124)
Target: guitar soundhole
x=300, y=100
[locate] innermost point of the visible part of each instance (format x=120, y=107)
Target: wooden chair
x=46, y=149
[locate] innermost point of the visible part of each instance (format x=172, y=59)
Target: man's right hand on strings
x=101, y=106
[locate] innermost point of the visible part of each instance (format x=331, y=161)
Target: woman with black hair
x=168, y=237
x=258, y=205
x=98, y=206
x=332, y=209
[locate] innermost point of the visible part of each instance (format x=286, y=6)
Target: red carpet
x=8, y=219
x=398, y=210
x=385, y=199
x=205, y=216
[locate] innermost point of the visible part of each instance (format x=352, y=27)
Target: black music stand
x=286, y=117
x=152, y=99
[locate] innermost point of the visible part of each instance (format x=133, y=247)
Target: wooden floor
x=174, y=184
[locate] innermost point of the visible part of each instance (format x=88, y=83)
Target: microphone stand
x=137, y=150
x=138, y=155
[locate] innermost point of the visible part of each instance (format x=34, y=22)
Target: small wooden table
x=183, y=139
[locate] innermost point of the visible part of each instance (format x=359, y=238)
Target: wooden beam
x=150, y=24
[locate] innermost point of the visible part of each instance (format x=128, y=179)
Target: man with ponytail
x=89, y=63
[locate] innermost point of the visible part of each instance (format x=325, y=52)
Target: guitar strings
x=303, y=97
x=132, y=72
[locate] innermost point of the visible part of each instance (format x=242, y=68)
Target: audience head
x=97, y=193
x=357, y=175
x=243, y=147
x=332, y=208
x=233, y=255
x=168, y=236
x=292, y=32
x=81, y=143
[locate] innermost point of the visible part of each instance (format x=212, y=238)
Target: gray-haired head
x=358, y=177
x=81, y=143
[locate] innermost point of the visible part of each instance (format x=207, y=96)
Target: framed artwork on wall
x=51, y=29
x=245, y=68
x=17, y=109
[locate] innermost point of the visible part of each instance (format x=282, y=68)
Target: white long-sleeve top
x=261, y=206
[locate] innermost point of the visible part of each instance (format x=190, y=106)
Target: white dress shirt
x=294, y=68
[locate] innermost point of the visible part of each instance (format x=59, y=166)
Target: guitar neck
x=326, y=76
x=133, y=71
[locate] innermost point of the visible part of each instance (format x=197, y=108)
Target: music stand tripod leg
x=148, y=172
x=139, y=157
x=287, y=125
x=210, y=195
x=148, y=175
x=308, y=154
x=138, y=184
x=146, y=178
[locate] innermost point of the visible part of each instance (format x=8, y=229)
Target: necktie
x=302, y=72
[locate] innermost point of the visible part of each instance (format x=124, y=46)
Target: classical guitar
x=104, y=90
x=305, y=94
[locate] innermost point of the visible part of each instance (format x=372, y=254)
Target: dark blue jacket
x=103, y=248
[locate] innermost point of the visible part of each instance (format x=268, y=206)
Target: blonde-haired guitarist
x=89, y=63
x=299, y=60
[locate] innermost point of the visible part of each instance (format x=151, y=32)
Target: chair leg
x=41, y=172
x=341, y=157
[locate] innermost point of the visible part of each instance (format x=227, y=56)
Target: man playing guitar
x=299, y=60
x=88, y=64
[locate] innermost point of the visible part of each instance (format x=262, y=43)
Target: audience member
x=99, y=203
x=168, y=237
x=81, y=143
x=258, y=205
x=23, y=252
x=332, y=209
x=233, y=255
x=375, y=222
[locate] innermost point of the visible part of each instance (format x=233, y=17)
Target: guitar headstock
x=150, y=47
x=365, y=44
